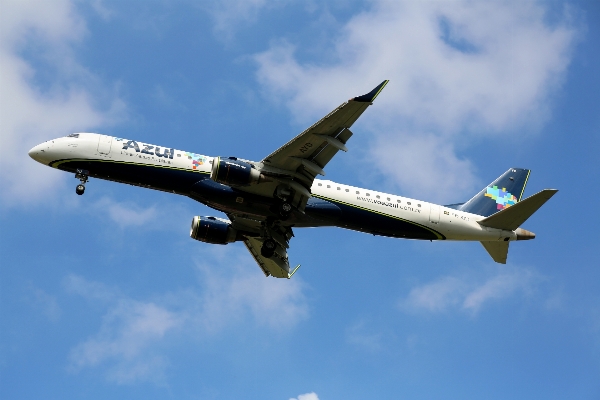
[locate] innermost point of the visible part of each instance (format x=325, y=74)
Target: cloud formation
x=229, y=15
x=457, y=70
x=134, y=333
x=236, y=291
x=469, y=294
x=128, y=331
x=360, y=335
x=36, y=108
x=307, y=396
x=126, y=214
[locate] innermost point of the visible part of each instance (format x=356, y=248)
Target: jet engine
x=212, y=230
x=231, y=171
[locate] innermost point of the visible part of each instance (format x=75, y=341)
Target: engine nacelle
x=212, y=230
x=231, y=171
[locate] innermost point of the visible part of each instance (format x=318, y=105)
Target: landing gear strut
x=268, y=248
x=284, y=209
x=83, y=176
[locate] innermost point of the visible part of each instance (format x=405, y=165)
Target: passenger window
x=328, y=186
x=338, y=188
x=368, y=194
x=377, y=196
x=357, y=192
x=388, y=199
x=347, y=190
x=398, y=201
x=178, y=155
x=418, y=205
x=408, y=203
x=320, y=184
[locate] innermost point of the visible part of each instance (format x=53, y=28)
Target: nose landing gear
x=83, y=176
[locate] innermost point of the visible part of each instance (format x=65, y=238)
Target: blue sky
x=105, y=295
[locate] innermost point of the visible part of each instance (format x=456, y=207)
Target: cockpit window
x=73, y=135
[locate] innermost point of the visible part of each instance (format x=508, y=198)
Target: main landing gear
x=285, y=210
x=83, y=176
x=268, y=248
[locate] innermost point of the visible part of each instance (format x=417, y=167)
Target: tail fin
x=504, y=192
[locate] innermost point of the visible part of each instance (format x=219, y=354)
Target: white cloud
x=241, y=289
x=101, y=9
x=32, y=112
x=126, y=214
x=91, y=290
x=457, y=70
x=468, y=293
x=228, y=15
x=437, y=296
x=498, y=287
x=361, y=335
x=433, y=165
x=307, y=396
x=134, y=333
x=129, y=330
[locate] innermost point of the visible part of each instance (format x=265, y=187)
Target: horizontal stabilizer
x=512, y=217
x=498, y=250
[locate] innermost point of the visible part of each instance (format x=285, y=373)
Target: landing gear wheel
x=285, y=210
x=268, y=248
x=83, y=176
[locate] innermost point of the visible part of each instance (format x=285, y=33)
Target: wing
x=298, y=162
x=277, y=265
x=309, y=152
x=255, y=233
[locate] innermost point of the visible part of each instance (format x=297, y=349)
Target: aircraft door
x=104, y=143
x=434, y=213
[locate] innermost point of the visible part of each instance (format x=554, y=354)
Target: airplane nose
x=37, y=153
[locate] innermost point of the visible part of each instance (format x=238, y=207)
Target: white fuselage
x=452, y=224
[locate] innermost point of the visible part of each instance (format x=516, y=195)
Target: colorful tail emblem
x=503, y=198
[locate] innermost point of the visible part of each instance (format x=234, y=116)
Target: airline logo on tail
x=503, y=198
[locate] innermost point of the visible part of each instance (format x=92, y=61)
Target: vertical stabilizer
x=504, y=192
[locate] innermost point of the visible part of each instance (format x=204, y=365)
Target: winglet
x=369, y=97
x=294, y=271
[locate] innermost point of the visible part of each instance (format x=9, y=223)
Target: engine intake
x=212, y=230
x=231, y=171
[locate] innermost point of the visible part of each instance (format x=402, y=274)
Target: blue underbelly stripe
x=436, y=233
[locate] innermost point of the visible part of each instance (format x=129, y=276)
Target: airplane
x=265, y=200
